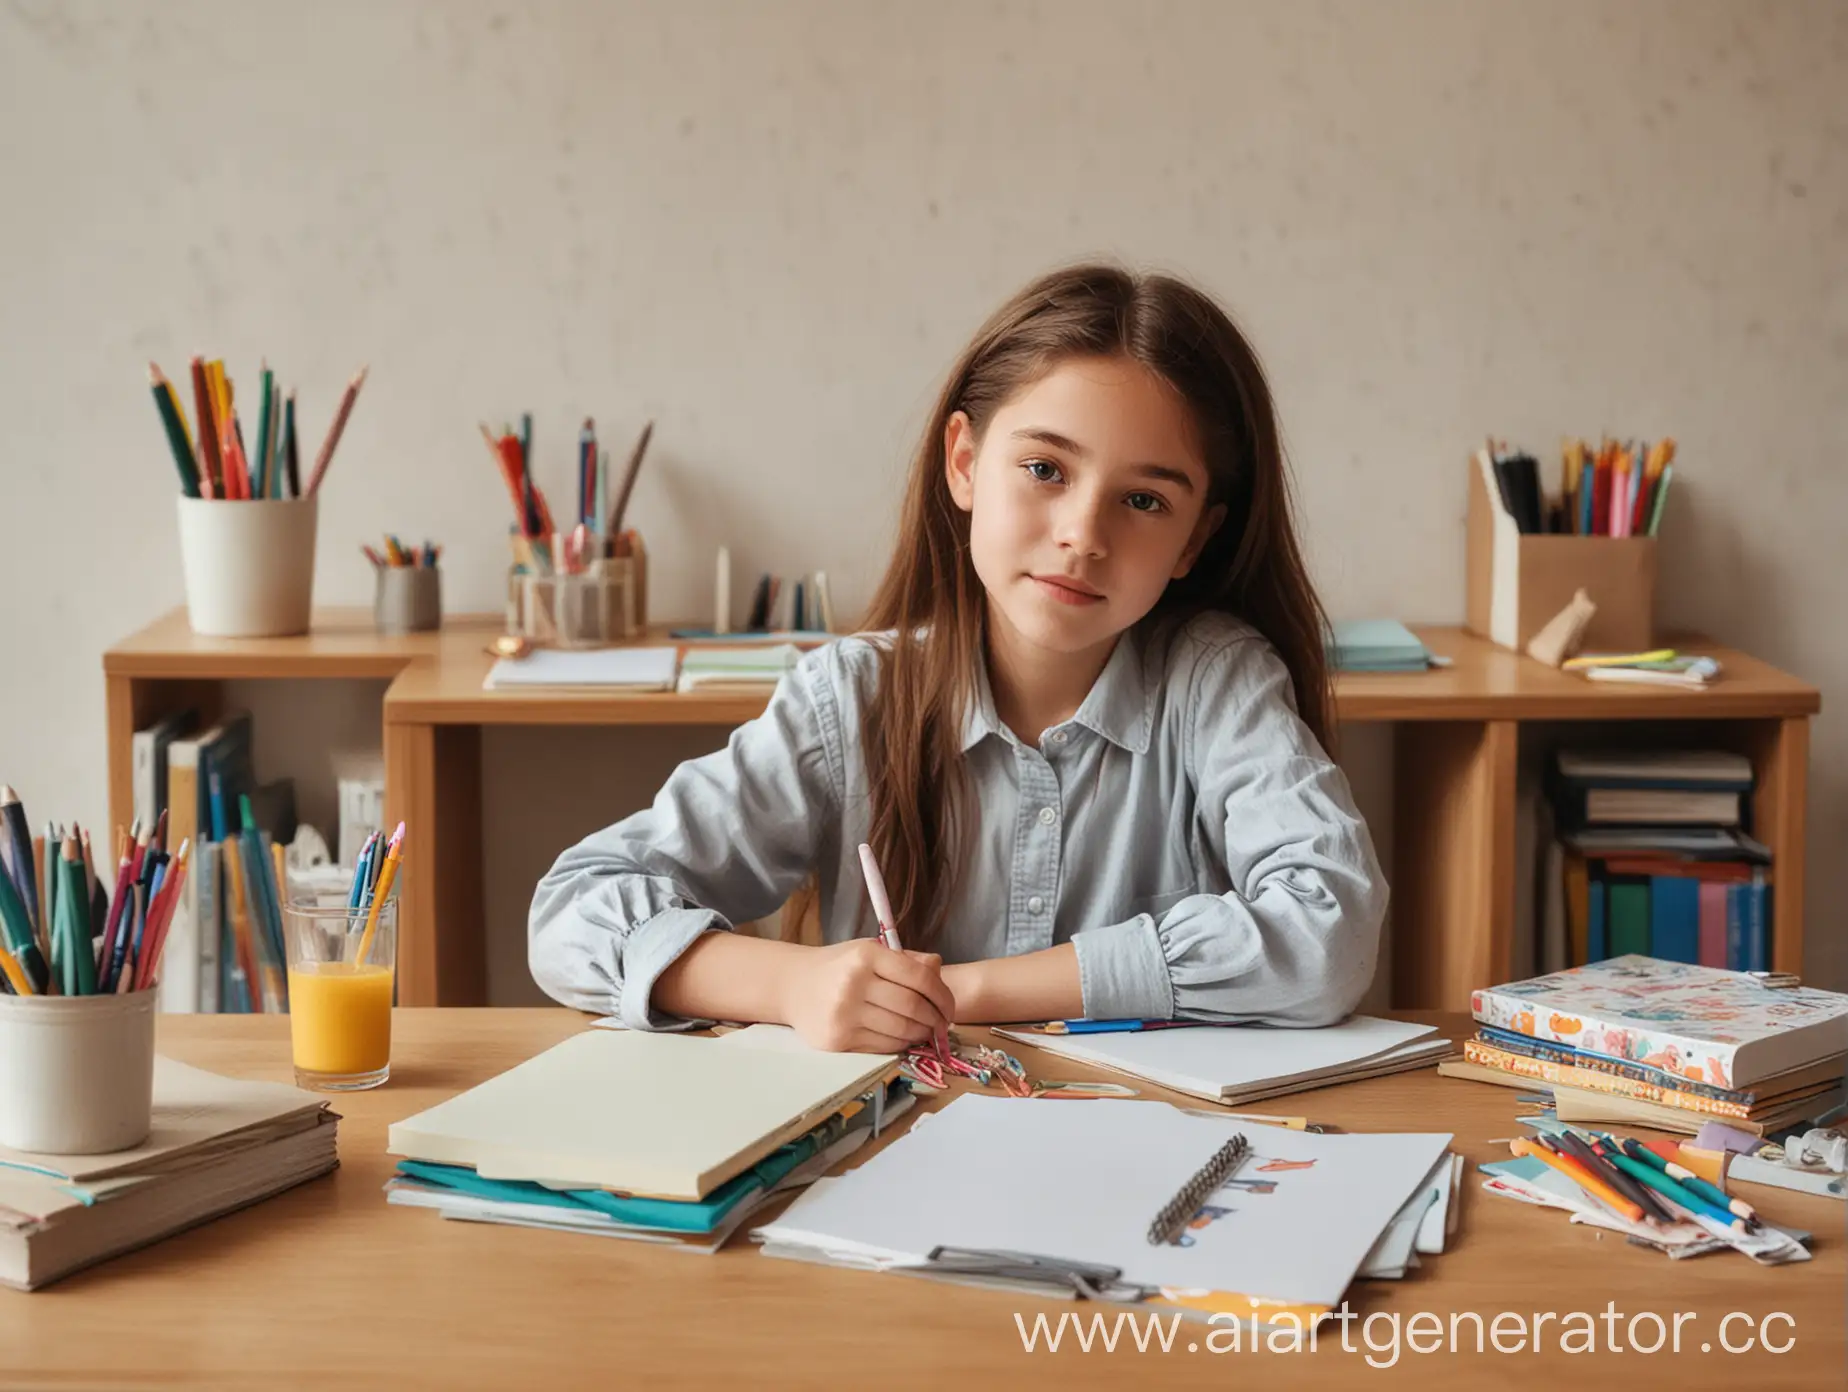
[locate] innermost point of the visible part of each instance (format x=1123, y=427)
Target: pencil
x=15, y=976
x=211, y=471
x=628, y=480
x=266, y=416
x=147, y=974
x=16, y=846
x=291, y=452
x=1579, y=1175
x=394, y=852
x=326, y=456
x=16, y=929
x=168, y=405
x=73, y=904
x=113, y=924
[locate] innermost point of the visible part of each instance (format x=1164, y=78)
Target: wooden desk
x=328, y=1285
x=1460, y=735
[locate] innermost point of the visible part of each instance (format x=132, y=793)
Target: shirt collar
x=1119, y=706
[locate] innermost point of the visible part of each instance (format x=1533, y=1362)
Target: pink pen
x=876, y=891
x=888, y=932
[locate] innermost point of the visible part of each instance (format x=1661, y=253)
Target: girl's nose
x=1079, y=524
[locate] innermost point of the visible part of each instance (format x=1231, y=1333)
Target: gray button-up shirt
x=1183, y=829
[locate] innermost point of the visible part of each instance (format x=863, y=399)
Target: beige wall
x=770, y=226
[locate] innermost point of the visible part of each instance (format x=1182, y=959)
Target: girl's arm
x=730, y=836
x=1033, y=986
x=1294, y=939
x=635, y=920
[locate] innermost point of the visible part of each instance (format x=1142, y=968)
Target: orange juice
x=340, y=1017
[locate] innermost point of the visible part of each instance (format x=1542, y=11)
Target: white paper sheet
x=1084, y=1182
x=1225, y=1060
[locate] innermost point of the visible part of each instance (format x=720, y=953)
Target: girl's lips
x=1065, y=593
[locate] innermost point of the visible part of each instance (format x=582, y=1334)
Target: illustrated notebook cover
x=1724, y=1028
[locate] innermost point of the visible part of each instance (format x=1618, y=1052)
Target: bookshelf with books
x=1653, y=852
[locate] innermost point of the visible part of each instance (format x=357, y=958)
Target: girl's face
x=1086, y=495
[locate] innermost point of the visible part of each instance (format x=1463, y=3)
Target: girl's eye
x=1146, y=502
x=1042, y=469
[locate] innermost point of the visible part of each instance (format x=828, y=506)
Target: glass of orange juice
x=339, y=1005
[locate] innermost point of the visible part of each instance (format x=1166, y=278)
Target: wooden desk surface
x=437, y=680
x=328, y=1284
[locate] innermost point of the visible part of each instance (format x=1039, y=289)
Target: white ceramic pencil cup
x=249, y=565
x=79, y=1072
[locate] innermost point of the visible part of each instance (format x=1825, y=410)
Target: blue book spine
x=1674, y=918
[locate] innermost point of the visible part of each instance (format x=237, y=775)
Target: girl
x=1084, y=736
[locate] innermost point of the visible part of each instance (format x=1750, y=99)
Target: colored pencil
x=266, y=411
x=211, y=471
x=334, y=431
x=1579, y=1175
x=621, y=506
x=16, y=850
x=394, y=852
x=168, y=405
x=291, y=452
x=1712, y=1193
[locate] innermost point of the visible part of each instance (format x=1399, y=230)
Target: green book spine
x=1629, y=916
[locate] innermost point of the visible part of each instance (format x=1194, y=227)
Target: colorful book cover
x=1547, y=1070
x=1717, y=1027
x=1510, y=1042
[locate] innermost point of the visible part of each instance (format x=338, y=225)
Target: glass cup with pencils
x=343, y=953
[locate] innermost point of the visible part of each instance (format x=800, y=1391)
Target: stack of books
x=663, y=1138
x=1653, y=854
x=218, y=1144
x=1663, y=1044
x=1376, y=645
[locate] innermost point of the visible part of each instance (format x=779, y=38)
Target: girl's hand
x=862, y=997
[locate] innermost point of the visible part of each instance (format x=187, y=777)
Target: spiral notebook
x=1287, y=1217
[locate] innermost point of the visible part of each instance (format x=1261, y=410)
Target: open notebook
x=667, y=1116
x=1247, y=1063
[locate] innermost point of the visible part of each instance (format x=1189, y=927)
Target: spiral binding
x=1180, y=1209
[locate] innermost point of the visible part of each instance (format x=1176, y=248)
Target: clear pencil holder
x=592, y=609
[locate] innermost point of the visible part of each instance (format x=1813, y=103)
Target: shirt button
x=1048, y=816
x=1058, y=736
x=1035, y=904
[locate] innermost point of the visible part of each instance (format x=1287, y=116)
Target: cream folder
x=669, y=1116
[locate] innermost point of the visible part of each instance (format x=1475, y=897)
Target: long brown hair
x=934, y=604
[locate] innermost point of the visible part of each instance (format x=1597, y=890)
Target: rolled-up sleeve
x=1294, y=939
x=729, y=837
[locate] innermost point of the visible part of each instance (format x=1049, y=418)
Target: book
x=218, y=1144
x=148, y=757
x=1376, y=645
x=1545, y=1070
x=667, y=1116
x=1719, y=1027
x=1767, y=1089
x=1657, y=807
x=1657, y=768
x=599, y=669
x=1247, y=1063
x=736, y=668
x=457, y=1192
